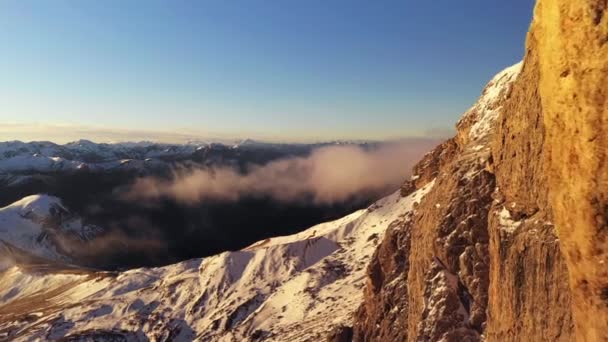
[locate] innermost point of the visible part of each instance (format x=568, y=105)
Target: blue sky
x=273, y=69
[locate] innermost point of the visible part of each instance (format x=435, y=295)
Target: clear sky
x=308, y=69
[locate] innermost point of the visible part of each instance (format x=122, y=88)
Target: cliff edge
x=511, y=242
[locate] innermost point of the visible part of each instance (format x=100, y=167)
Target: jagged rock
x=445, y=243
x=511, y=244
x=383, y=316
x=528, y=294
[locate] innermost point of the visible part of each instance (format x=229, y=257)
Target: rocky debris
x=301, y=287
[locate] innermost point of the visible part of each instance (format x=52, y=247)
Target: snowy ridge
x=40, y=225
x=486, y=110
x=88, y=150
x=18, y=157
x=292, y=288
x=38, y=162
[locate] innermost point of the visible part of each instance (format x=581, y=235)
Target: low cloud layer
x=329, y=175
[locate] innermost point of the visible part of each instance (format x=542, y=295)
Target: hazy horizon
x=62, y=134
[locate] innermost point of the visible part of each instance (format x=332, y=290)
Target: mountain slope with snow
x=42, y=226
x=294, y=288
x=44, y=156
x=22, y=161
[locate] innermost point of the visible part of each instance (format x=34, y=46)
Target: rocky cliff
x=511, y=242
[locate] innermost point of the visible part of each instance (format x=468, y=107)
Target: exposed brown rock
x=529, y=298
x=528, y=294
x=383, y=315
x=428, y=279
x=428, y=168
x=456, y=271
x=572, y=37
x=511, y=244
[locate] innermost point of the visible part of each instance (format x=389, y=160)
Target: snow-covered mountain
x=18, y=157
x=88, y=151
x=294, y=288
x=42, y=226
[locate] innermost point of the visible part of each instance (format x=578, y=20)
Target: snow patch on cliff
x=485, y=111
x=506, y=222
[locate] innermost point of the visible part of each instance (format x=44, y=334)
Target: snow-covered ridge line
x=292, y=288
x=17, y=156
x=485, y=111
x=143, y=148
x=44, y=156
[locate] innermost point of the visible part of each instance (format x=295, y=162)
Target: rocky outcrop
x=429, y=279
x=511, y=244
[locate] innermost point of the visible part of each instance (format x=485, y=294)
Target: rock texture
x=429, y=280
x=572, y=44
x=528, y=293
x=511, y=244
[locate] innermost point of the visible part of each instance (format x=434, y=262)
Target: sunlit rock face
x=572, y=44
x=518, y=251
x=550, y=154
x=529, y=296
